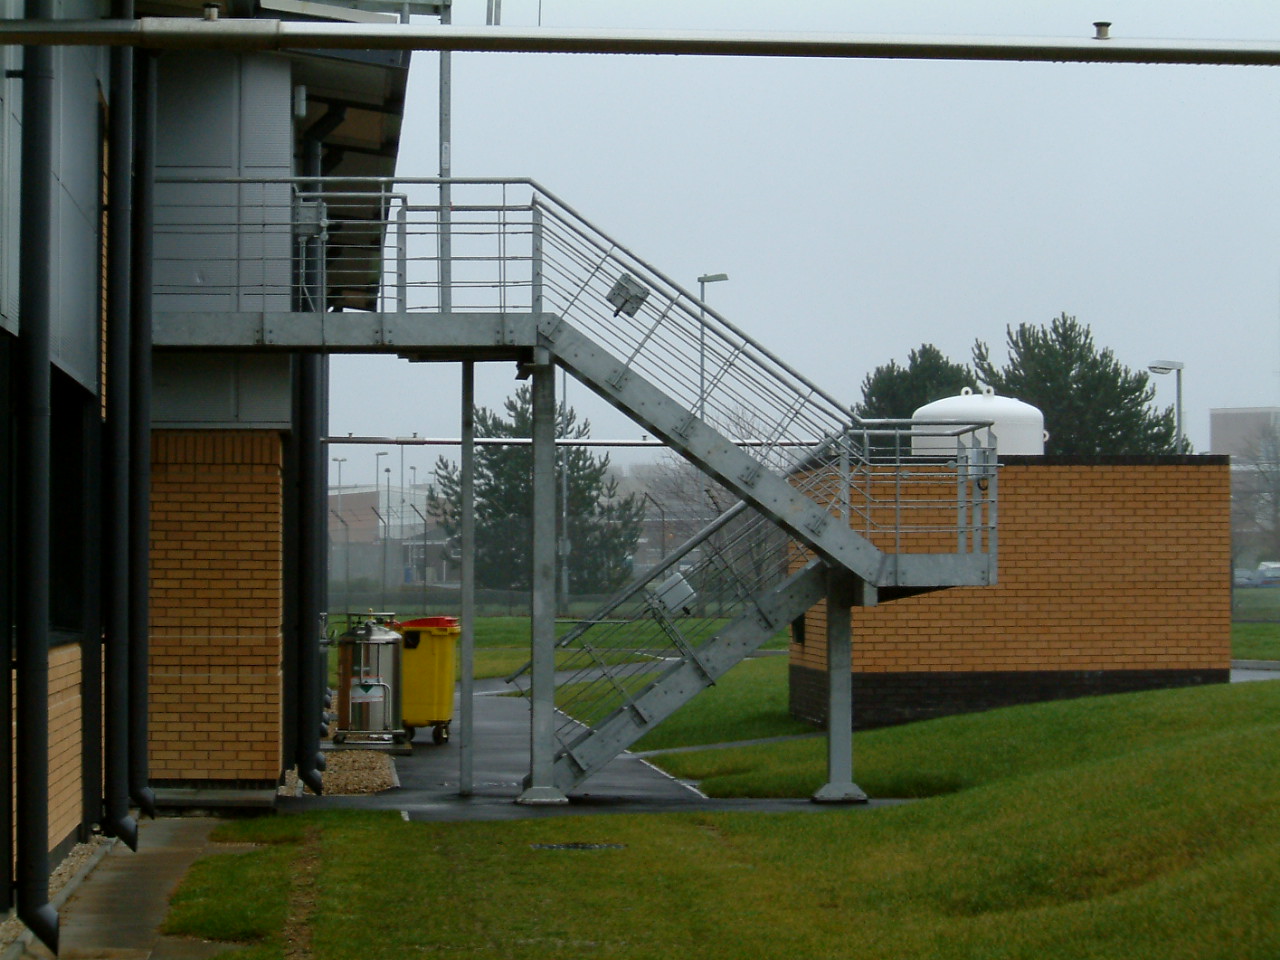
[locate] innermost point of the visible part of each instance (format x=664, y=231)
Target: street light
x=662, y=526
x=339, y=461
x=346, y=587
x=377, y=465
x=386, y=540
x=413, y=487
x=1174, y=367
x=702, y=336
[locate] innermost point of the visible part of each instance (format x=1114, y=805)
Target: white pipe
x=228, y=34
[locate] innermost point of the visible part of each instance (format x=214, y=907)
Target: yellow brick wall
x=65, y=728
x=1121, y=566
x=216, y=605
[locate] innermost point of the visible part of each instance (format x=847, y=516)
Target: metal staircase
x=820, y=489
x=672, y=634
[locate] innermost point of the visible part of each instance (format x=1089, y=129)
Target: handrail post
x=537, y=264
x=402, y=259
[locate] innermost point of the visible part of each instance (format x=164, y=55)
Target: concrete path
x=1245, y=671
x=116, y=911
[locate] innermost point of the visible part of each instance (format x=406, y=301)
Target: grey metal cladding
x=225, y=116
x=10, y=183
x=228, y=391
x=266, y=99
x=197, y=104
x=76, y=253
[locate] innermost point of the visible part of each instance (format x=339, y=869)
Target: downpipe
x=310, y=424
x=310, y=586
x=34, y=430
x=140, y=432
x=117, y=820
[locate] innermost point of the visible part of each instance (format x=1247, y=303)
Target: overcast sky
x=862, y=208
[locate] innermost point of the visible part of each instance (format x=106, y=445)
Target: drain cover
x=578, y=846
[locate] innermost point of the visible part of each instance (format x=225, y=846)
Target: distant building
x=1233, y=429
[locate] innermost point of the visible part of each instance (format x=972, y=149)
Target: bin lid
x=370, y=632
x=423, y=623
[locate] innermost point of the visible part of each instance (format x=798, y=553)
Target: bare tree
x=1255, y=499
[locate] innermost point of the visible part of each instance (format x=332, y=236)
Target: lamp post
x=339, y=461
x=1174, y=367
x=413, y=486
x=662, y=526
x=346, y=555
x=702, y=336
x=377, y=467
x=386, y=539
x=400, y=528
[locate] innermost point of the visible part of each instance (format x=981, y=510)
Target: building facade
x=156, y=561
x=1115, y=575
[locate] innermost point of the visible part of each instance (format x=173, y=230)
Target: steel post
x=466, y=740
x=540, y=785
x=840, y=787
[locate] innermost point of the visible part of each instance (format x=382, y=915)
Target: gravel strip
x=69, y=869
x=349, y=773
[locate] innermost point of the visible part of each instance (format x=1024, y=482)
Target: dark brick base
x=883, y=699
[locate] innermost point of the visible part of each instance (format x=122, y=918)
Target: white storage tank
x=1018, y=427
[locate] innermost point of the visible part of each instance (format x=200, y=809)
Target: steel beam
x=403, y=333
x=190, y=33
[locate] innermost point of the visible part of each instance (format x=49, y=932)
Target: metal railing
x=662, y=621
x=510, y=246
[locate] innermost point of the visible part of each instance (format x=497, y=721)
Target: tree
x=894, y=392
x=1255, y=498
x=1092, y=404
x=603, y=527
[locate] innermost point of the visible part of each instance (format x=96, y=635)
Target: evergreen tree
x=894, y=392
x=1092, y=403
x=603, y=528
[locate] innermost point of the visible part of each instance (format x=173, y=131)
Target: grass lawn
x=1255, y=641
x=1119, y=827
x=971, y=750
x=749, y=702
x=1256, y=603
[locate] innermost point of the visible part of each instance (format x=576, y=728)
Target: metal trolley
x=369, y=710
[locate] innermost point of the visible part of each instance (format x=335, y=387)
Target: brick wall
x=216, y=606
x=1114, y=573
x=65, y=726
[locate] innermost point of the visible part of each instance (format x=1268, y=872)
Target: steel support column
x=466, y=739
x=540, y=784
x=842, y=593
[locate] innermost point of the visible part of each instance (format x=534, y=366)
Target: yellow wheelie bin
x=427, y=671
